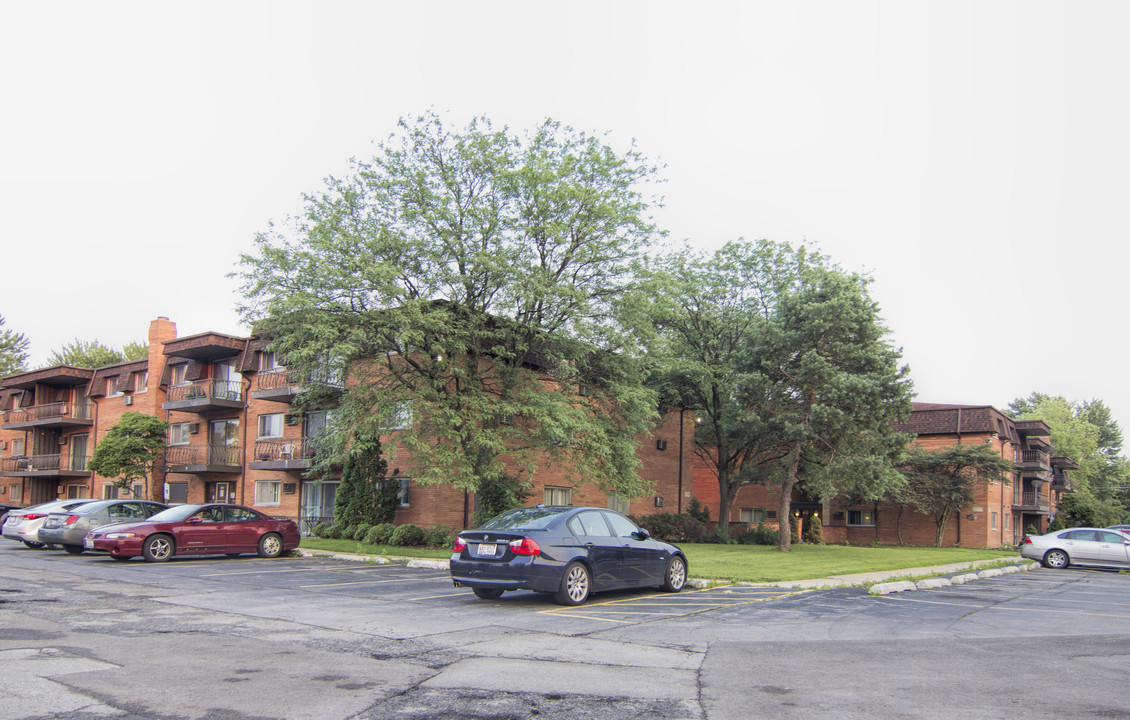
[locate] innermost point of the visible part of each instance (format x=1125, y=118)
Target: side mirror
x=643, y=534
x=195, y=520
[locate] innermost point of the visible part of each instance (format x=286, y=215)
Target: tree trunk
x=943, y=518
x=784, y=521
x=898, y=524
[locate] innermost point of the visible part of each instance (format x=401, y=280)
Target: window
x=316, y=421
x=136, y=490
x=860, y=517
x=109, y=491
x=751, y=515
x=17, y=447
x=271, y=426
x=267, y=492
x=140, y=381
x=179, y=434
x=994, y=521
x=268, y=360
x=112, y=387
x=619, y=503
x=176, y=492
x=1008, y=521
x=558, y=496
x=77, y=492
x=403, y=496
x=178, y=374
x=16, y=493
x=401, y=418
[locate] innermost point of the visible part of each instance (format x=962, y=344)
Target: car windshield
x=174, y=514
x=535, y=518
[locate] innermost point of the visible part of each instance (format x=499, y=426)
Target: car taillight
x=1027, y=540
x=34, y=516
x=460, y=545
x=71, y=520
x=525, y=546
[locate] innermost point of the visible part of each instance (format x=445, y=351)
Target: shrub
x=361, y=531
x=320, y=530
x=698, y=511
x=672, y=527
x=379, y=534
x=438, y=536
x=407, y=535
x=759, y=535
x=336, y=532
x=814, y=531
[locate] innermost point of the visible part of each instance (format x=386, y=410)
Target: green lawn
x=761, y=563
x=750, y=563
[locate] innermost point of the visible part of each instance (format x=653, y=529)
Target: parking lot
x=325, y=638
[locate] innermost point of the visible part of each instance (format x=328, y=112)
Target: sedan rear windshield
x=524, y=519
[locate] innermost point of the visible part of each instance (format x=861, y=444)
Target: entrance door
x=220, y=492
x=78, y=452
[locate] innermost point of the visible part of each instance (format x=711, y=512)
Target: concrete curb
x=937, y=582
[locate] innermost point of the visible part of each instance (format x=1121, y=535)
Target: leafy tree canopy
x=130, y=450
x=13, y=351
x=93, y=354
x=442, y=271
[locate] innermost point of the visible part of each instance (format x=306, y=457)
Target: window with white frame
x=179, y=434
x=16, y=492
x=140, y=381
x=136, y=490
x=267, y=492
x=17, y=447
x=268, y=360
x=994, y=520
x=619, y=503
x=403, y=492
x=112, y=387
x=751, y=515
x=863, y=518
x=109, y=491
x=75, y=492
x=401, y=417
x=271, y=426
x=178, y=374
x=558, y=496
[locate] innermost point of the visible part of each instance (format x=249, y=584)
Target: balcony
x=1037, y=464
x=204, y=396
x=282, y=454
x=1033, y=502
x=203, y=458
x=280, y=385
x=58, y=466
x=50, y=416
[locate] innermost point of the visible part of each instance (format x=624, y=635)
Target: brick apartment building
x=234, y=437
x=999, y=516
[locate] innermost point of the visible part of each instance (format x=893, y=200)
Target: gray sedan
x=69, y=528
x=1096, y=547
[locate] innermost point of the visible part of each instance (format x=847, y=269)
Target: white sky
x=971, y=156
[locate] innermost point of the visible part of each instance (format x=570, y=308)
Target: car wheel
x=270, y=546
x=1056, y=559
x=33, y=545
x=488, y=593
x=676, y=576
x=576, y=584
x=157, y=548
x=74, y=549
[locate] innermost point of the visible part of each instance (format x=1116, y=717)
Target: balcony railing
x=205, y=390
x=277, y=379
x=203, y=456
x=44, y=464
x=1037, y=457
x=1033, y=499
x=283, y=449
x=59, y=413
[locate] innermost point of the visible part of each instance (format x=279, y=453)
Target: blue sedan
x=569, y=552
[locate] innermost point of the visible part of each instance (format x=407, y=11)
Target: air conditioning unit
x=294, y=419
x=193, y=428
x=128, y=400
x=62, y=441
x=660, y=444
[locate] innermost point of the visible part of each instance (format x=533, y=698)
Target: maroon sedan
x=210, y=529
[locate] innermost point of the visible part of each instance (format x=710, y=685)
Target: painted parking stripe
x=377, y=582
x=1005, y=607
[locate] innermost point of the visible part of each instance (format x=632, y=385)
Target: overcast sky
x=972, y=157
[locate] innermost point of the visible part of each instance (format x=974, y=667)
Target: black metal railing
x=270, y=449
x=50, y=411
x=203, y=454
x=206, y=389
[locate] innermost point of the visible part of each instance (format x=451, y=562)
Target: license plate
x=88, y=543
x=51, y=524
x=487, y=549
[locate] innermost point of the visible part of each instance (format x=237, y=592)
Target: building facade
x=236, y=436
x=1000, y=515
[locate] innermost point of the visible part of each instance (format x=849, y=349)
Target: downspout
x=959, y=510
x=681, y=426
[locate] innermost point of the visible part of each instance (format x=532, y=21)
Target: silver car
x=1096, y=547
x=69, y=528
x=23, y=525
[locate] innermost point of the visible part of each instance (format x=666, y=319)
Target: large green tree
x=827, y=388
x=465, y=278
x=365, y=495
x=941, y=482
x=13, y=351
x=130, y=451
x=701, y=311
x=93, y=354
x=1088, y=434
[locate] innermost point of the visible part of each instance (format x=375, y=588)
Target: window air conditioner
x=128, y=400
